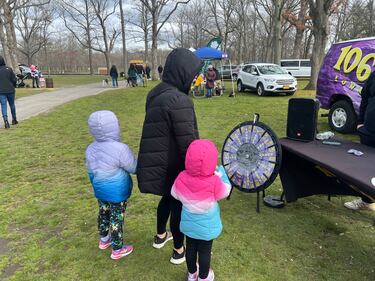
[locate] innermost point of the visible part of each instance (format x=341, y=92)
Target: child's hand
x=220, y=172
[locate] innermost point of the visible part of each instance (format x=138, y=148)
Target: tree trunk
x=277, y=32
x=124, y=53
x=4, y=44
x=319, y=12
x=154, y=47
x=297, y=50
x=107, y=61
x=10, y=33
x=88, y=31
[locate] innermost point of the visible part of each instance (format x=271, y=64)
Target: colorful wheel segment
x=251, y=156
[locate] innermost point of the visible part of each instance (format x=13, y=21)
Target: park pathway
x=36, y=104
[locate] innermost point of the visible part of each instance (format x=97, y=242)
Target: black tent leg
x=258, y=209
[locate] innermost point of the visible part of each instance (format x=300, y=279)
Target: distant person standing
x=210, y=80
x=7, y=92
x=148, y=71
x=114, y=75
x=35, y=75
x=160, y=71
x=132, y=75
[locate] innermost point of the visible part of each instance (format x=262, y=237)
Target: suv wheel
x=240, y=86
x=260, y=90
x=342, y=117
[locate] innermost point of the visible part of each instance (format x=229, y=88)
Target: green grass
x=75, y=80
x=48, y=212
x=60, y=81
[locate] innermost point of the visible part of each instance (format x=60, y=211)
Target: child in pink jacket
x=199, y=187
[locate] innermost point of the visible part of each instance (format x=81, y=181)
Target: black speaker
x=302, y=119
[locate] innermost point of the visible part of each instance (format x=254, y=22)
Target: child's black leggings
x=201, y=248
x=168, y=206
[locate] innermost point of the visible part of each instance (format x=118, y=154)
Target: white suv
x=266, y=78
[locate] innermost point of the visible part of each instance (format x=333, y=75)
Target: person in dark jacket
x=210, y=81
x=148, y=71
x=160, y=71
x=7, y=92
x=366, y=131
x=132, y=75
x=114, y=75
x=170, y=126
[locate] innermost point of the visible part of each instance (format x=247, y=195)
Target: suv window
x=246, y=68
x=306, y=63
x=290, y=63
x=253, y=69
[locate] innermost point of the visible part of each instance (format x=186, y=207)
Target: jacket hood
x=180, y=69
x=104, y=126
x=201, y=158
x=2, y=61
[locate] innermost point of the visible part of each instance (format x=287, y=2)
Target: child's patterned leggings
x=111, y=216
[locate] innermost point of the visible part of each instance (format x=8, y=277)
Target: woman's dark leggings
x=201, y=248
x=168, y=206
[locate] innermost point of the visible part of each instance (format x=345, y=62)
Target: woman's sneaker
x=358, y=204
x=160, y=242
x=124, y=251
x=177, y=258
x=210, y=277
x=192, y=276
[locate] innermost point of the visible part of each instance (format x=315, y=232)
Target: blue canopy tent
x=208, y=54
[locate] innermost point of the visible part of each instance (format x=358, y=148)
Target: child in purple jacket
x=109, y=163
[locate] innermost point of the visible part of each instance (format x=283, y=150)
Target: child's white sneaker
x=210, y=277
x=192, y=276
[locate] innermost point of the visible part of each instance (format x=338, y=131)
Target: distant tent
x=191, y=49
x=207, y=53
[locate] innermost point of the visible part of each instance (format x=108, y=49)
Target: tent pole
x=231, y=77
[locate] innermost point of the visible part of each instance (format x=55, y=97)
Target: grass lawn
x=60, y=81
x=75, y=80
x=48, y=212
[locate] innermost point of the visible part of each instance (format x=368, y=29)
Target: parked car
x=225, y=72
x=297, y=67
x=266, y=78
x=345, y=69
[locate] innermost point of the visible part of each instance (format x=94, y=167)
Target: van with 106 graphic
x=344, y=71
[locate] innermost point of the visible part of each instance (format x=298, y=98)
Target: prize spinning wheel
x=251, y=156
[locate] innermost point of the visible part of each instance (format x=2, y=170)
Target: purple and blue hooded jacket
x=109, y=161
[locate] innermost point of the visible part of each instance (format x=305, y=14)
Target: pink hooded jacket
x=199, y=188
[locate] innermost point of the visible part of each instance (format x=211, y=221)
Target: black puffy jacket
x=170, y=124
x=7, y=78
x=368, y=92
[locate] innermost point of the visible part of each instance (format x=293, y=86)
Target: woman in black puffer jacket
x=170, y=126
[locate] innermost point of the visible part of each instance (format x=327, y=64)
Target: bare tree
x=160, y=14
x=104, y=38
x=78, y=19
x=32, y=24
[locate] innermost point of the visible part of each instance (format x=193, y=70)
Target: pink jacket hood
x=201, y=158
x=199, y=187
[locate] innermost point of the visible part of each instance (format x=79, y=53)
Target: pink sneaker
x=192, y=276
x=210, y=277
x=124, y=251
x=104, y=245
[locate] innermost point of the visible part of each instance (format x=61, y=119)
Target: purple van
x=344, y=71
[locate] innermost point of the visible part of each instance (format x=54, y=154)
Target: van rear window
x=294, y=63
